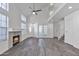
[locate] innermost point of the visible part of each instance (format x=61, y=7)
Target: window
x=43, y=30
x=3, y=27
x=23, y=24
x=4, y=6
x=23, y=18
x=4, y=21
x=0, y=4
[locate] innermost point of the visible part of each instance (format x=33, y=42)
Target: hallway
x=41, y=47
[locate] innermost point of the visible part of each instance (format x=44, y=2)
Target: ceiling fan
x=34, y=10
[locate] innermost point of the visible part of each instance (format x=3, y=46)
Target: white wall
x=58, y=28
x=55, y=29
x=14, y=18
x=62, y=28
x=72, y=29
x=50, y=30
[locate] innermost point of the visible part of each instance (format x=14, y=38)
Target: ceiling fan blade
x=38, y=10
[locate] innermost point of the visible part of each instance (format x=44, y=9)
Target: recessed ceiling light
x=69, y=7
x=51, y=4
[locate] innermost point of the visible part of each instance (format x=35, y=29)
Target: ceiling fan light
x=70, y=7
x=33, y=13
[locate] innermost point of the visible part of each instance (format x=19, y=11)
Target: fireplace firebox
x=16, y=40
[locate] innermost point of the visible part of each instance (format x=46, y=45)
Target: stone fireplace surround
x=13, y=37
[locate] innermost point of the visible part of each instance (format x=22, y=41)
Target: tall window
x=0, y=4
x=23, y=24
x=3, y=27
x=43, y=30
x=4, y=6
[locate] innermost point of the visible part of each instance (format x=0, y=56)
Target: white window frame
x=43, y=29
x=23, y=24
x=4, y=6
x=2, y=33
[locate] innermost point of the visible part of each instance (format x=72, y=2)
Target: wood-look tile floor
x=42, y=47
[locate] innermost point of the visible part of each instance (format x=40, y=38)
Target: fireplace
x=16, y=40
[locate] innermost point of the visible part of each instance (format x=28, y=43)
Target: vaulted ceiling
x=42, y=16
x=24, y=7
